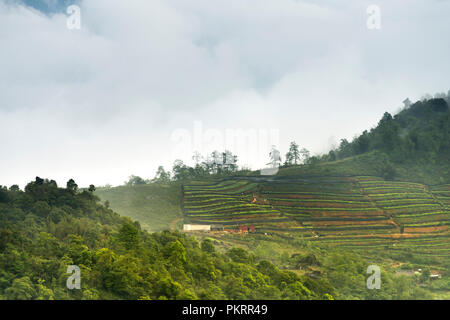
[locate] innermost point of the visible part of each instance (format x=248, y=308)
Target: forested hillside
x=333, y=214
x=44, y=229
x=413, y=145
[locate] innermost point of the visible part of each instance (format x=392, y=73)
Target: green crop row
x=225, y=209
x=315, y=194
x=429, y=224
x=217, y=187
x=404, y=202
x=388, y=189
x=374, y=218
x=221, y=184
x=210, y=200
x=233, y=214
x=392, y=183
x=420, y=214
x=427, y=205
x=421, y=239
x=400, y=195
x=240, y=221
x=324, y=200
x=334, y=209
x=356, y=227
x=429, y=218
x=219, y=204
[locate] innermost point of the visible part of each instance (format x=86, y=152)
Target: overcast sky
x=146, y=81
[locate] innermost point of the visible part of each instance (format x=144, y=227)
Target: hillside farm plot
x=411, y=205
x=418, y=212
x=228, y=202
x=327, y=205
x=359, y=213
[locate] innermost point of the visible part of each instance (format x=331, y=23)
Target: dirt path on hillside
x=173, y=223
x=428, y=191
x=374, y=204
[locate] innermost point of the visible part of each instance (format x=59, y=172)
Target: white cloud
x=101, y=103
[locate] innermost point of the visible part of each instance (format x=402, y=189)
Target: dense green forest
x=44, y=229
x=418, y=131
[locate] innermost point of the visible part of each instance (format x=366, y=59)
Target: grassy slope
x=370, y=164
x=155, y=206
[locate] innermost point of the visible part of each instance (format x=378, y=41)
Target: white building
x=197, y=227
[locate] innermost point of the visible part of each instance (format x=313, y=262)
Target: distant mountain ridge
x=413, y=145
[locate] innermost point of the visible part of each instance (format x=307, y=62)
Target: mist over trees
x=419, y=132
x=215, y=164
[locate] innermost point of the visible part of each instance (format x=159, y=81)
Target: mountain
x=413, y=145
x=309, y=232
x=45, y=230
x=385, y=196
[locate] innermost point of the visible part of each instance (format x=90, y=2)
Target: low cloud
x=101, y=103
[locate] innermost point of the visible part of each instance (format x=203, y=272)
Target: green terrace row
x=232, y=211
x=421, y=218
x=209, y=196
x=324, y=219
x=348, y=229
x=442, y=187
x=317, y=195
x=197, y=196
x=391, y=184
x=400, y=195
x=230, y=208
x=232, y=190
x=238, y=215
x=321, y=203
x=328, y=209
x=207, y=201
x=430, y=250
x=214, y=183
x=225, y=184
x=404, y=202
x=231, y=204
x=324, y=197
x=433, y=237
x=445, y=201
x=414, y=208
x=235, y=222
x=423, y=214
x=317, y=189
x=379, y=190
x=188, y=188
x=429, y=224
x=367, y=178
x=437, y=239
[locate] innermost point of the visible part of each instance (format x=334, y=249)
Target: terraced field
x=228, y=203
x=354, y=212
